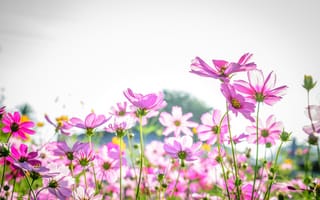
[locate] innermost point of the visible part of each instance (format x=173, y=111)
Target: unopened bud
x=308, y=83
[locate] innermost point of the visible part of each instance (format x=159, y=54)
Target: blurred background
x=71, y=57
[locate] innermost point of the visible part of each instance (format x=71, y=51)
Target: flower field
x=189, y=160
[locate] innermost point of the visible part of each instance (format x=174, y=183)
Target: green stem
x=13, y=186
x=257, y=152
x=220, y=157
x=120, y=167
x=318, y=152
x=131, y=157
x=267, y=194
x=95, y=178
x=141, y=157
x=177, y=180
x=3, y=173
x=29, y=184
x=85, y=177
x=234, y=157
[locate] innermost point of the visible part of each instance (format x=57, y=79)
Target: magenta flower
x=222, y=70
x=210, y=127
x=182, y=148
x=61, y=125
x=16, y=127
x=22, y=155
x=259, y=89
x=91, y=122
x=236, y=102
x=177, y=122
x=145, y=102
x=268, y=133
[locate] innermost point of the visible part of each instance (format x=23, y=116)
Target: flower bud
x=285, y=136
x=312, y=139
x=308, y=82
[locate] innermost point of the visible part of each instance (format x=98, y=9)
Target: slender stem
x=219, y=154
x=176, y=183
x=233, y=157
x=318, y=152
x=141, y=157
x=13, y=186
x=131, y=157
x=34, y=196
x=257, y=152
x=307, y=162
x=3, y=172
x=95, y=178
x=85, y=177
x=267, y=194
x=120, y=156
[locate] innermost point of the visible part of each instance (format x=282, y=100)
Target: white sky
x=90, y=51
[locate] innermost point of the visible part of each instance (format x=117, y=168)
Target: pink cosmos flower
x=61, y=184
x=107, y=163
x=85, y=155
x=16, y=127
x=145, y=102
x=120, y=110
x=91, y=122
x=182, y=148
x=210, y=127
x=88, y=193
x=259, y=89
x=268, y=133
x=61, y=149
x=222, y=70
x=61, y=125
x=236, y=102
x=177, y=122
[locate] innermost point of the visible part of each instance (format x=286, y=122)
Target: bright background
x=68, y=57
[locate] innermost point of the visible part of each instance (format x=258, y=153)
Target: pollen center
x=14, y=127
x=235, y=103
x=177, y=123
x=215, y=129
x=264, y=133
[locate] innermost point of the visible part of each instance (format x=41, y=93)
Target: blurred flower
x=2, y=111
x=267, y=133
x=314, y=117
x=88, y=193
x=61, y=125
x=61, y=184
x=17, y=128
x=182, y=148
x=85, y=155
x=107, y=163
x=236, y=102
x=212, y=125
x=259, y=89
x=120, y=110
x=222, y=70
x=61, y=149
x=176, y=122
x=91, y=122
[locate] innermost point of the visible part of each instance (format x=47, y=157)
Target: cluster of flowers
x=195, y=161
